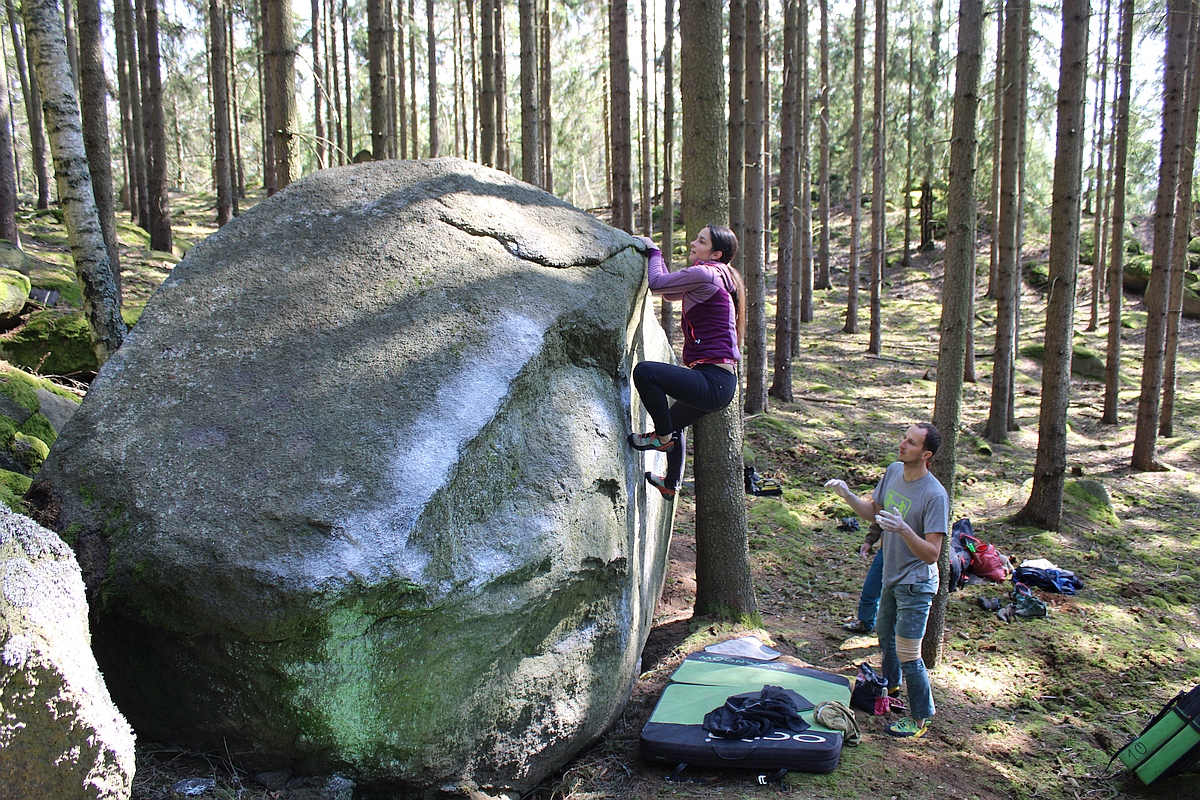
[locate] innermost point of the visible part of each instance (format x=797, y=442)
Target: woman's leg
x=656, y=382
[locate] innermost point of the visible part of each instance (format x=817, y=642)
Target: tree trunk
x=393, y=91
x=997, y=114
x=503, y=154
x=1098, y=228
x=647, y=185
x=531, y=123
x=1009, y=267
x=101, y=301
x=781, y=385
x=1175, y=68
x=737, y=125
x=723, y=584
x=69, y=35
x=33, y=112
x=856, y=125
x=412, y=80
x=401, y=110
x=910, y=135
x=823, y=187
x=547, y=137
x=160, y=209
x=1044, y=508
x=1183, y=235
x=94, y=114
x=348, y=121
x=240, y=188
x=802, y=283
x=129, y=154
x=318, y=87
x=622, y=155
x=487, y=91
x=266, y=96
x=1116, y=265
x=217, y=80
x=754, y=263
x=431, y=55
x=666, y=314
x=932, y=92
x=957, y=289
x=8, y=176
x=284, y=73
x=377, y=77
x=878, y=181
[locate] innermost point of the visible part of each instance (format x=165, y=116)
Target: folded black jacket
x=745, y=716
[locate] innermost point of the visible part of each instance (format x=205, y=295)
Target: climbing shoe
x=857, y=626
x=652, y=441
x=660, y=484
x=906, y=728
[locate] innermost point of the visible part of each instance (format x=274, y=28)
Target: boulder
x=60, y=734
x=355, y=495
x=14, y=293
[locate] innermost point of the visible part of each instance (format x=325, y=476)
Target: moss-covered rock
x=14, y=293
x=13, y=486
x=16, y=259
x=1084, y=362
x=54, y=343
x=1091, y=499
x=29, y=451
x=38, y=426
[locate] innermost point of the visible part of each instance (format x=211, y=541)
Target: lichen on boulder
x=60, y=734
x=355, y=497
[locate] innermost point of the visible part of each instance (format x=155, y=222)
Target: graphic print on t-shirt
x=897, y=501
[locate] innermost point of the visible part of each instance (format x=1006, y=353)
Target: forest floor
x=1028, y=709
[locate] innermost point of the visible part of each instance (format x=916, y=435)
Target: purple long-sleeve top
x=709, y=312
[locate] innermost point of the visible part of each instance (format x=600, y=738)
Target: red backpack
x=985, y=559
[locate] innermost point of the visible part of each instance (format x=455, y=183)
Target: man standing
x=913, y=510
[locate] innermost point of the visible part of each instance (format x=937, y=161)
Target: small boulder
x=14, y=293
x=61, y=736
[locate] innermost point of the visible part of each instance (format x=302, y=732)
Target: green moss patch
x=52, y=343
x=29, y=451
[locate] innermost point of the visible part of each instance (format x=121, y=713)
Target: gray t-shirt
x=925, y=506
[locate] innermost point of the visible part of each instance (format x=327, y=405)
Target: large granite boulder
x=355, y=495
x=61, y=736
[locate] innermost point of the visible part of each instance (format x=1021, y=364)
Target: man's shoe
x=661, y=484
x=652, y=441
x=857, y=626
x=906, y=728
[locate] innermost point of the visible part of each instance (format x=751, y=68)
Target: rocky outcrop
x=355, y=497
x=60, y=735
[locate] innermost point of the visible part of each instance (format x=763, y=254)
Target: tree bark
x=666, y=314
x=723, y=584
x=997, y=114
x=1009, y=266
x=160, y=209
x=94, y=113
x=754, y=261
x=781, y=385
x=1183, y=235
x=622, y=154
x=503, y=154
x=348, y=121
x=802, y=283
x=101, y=301
x=377, y=77
x=401, y=110
x=393, y=91
x=284, y=77
x=957, y=289
x=129, y=154
x=1098, y=219
x=878, y=181
x=931, y=94
x=222, y=163
x=1044, y=509
x=823, y=184
x=855, y=175
x=737, y=125
x=1157, y=291
x=318, y=86
x=8, y=176
x=531, y=127
x=547, y=131
x=33, y=112
x=487, y=90
x=647, y=185
x=266, y=94
x=1116, y=265
x=431, y=54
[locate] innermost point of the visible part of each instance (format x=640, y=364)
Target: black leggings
x=697, y=392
